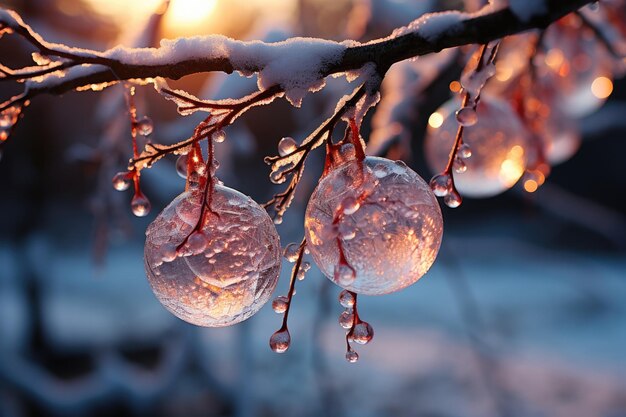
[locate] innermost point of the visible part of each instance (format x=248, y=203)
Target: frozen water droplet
x=181, y=166
x=280, y=304
x=305, y=266
x=441, y=185
x=145, y=126
x=344, y=274
x=465, y=151
x=467, y=116
x=301, y=275
x=346, y=299
x=280, y=341
x=346, y=231
x=346, y=319
x=380, y=171
x=197, y=242
x=459, y=165
x=168, y=253
x=453, y=200
x=278, y=219
x=140, y=205
x=4, y=134
x=352, y=356
x=121, y=181
x=291, y=252
x=362, y=333
x=350, y=205
x=286, y=146
x=219, y=136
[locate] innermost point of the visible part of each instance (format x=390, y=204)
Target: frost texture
x=393, y=236
x=232, y=277
x=498, y=141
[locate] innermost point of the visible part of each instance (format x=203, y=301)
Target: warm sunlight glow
x=435, y=120
x=190, y=12
x=602, y=87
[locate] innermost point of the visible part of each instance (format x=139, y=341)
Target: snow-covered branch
x=297, y=65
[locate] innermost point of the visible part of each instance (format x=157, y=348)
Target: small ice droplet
x=305, y=266
x=280, y=341
x=350, y=205
x=219, y=136
x=280, y=304
x=4, y=134
x=380, y=171
x=441, y=185
x=459, y=165
x=346, y=231
x=291, y=252
x=278, y=219
x=181, y=166
x=197, y=242
x=346, y=299
x=352, y=356
x=344, y=274
x=467, y=116
x=145, y=126
x=465, y=151
x=121, y=181
x=362, y=333
x=168, y=253
x=346, y=319
x=286, y=146
x=453, y=200
x=140, y=205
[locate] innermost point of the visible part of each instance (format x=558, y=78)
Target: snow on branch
x=296, y=66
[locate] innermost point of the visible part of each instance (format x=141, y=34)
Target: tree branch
x=430, y=33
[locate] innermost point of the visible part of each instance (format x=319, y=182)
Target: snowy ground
x=498, y=327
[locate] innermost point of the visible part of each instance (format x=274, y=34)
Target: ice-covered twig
x=292, y=163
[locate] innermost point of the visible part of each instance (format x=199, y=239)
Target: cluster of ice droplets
x=373, y=226
x=215, y=271
x=493, y=154
x=357, y=330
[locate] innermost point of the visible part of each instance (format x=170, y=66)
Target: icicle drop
x=218, y=136
x=286, y=146
x=344, y=275
x=441, y=185
x=350, y=205
x=280, y=304
x=465, y=151
x=467, y=116
x=352, y=356
x=346, y=319
x=140, y=205
x=453, y=200
x=362, y=333
x=181, y=166
x=280, y=341
x=459, y=165
x=121, y=181
x=145, y=126
x=346, y=299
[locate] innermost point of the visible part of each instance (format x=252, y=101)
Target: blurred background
x=523, y=313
